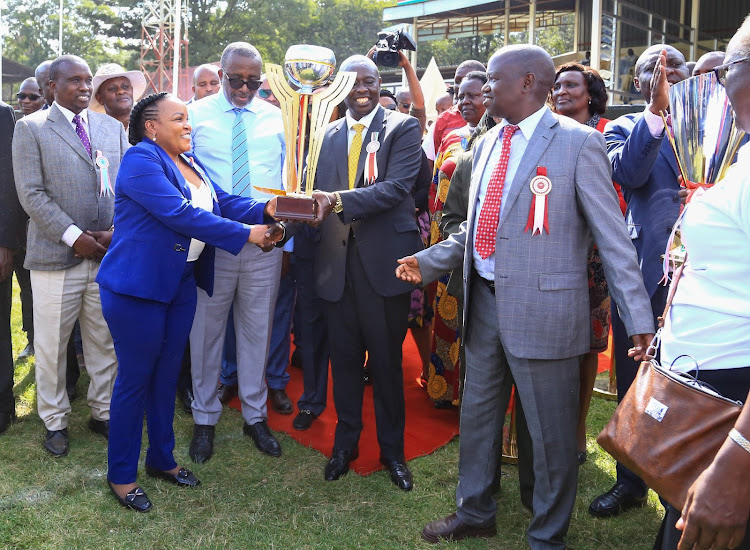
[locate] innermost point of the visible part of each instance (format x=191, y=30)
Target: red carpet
x=427, y=428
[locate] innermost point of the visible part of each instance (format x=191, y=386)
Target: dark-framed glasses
x=22, y=96
x=238, y=83
x=405, y=105
x=722, y=70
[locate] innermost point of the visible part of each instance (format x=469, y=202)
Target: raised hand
x=660, y=86
x=408, y=270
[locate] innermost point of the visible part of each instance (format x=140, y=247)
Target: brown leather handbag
x=669, y=427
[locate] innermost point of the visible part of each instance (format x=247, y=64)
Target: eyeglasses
x=405, y=105
x=722, y=70
x=22, y=96
x=238, y=83
x=264, y=93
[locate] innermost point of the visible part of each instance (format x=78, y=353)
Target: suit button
x=343, y=243
x=676, y=198
x=91, y=168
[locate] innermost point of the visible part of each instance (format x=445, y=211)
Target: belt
x=486, y=282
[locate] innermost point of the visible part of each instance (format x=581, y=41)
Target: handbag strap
x=672, y=290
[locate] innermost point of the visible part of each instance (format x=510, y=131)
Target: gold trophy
x=306, y=68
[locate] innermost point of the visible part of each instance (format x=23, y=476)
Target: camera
x=388, y=46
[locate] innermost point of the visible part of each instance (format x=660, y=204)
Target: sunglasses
x=264, y=94
x=722, y=70
x=405, y=105
x=33, y=97
x=238, y=83
x=390, y=107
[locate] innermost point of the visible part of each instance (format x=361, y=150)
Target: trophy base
x=296, y=207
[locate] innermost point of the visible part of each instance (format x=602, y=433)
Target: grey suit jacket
x=380, y=216
x=58, y=183
x=541, y=281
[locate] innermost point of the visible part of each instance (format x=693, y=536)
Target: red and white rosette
x=371, y=162
x=540, y=186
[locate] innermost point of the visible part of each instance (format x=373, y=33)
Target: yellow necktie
x=354, y=151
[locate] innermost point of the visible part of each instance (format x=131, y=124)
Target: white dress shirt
x=201, y=198
x=486, y=267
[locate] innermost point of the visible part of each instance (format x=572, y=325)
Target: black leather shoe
x=6, y=419
x=263, y=438
x=226, y=393
x=100, y=427
x=135, y=499
x=57, y=443
x=400, y=474
x=202, y=445
x=303, y=420
x=338, y=465
x=186, y=399
x=582, y=456
x=28, y=351
x=183, y=478
x=452, y=528
x=280, y=401
x=615, y=501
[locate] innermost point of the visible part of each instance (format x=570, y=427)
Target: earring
x=154, y=138
x=589, y=104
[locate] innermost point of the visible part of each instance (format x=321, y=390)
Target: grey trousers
x=250, y=282
x=549, y=392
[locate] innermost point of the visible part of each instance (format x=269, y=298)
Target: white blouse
x=202, y=198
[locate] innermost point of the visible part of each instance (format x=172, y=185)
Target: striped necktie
x=240, y=160
x=354, y=150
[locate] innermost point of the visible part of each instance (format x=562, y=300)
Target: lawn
x=249, y=500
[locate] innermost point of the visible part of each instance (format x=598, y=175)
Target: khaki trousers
x=61, y=297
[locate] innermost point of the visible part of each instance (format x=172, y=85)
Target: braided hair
x=146, y=109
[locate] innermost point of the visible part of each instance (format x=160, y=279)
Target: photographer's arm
x=417, y=110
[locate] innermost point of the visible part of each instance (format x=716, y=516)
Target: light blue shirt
x=212, y=119
x=486, y=267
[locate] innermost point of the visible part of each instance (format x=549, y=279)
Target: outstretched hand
x=266, y=236
x=408, y=270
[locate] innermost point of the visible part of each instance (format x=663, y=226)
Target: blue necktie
x=240, y=160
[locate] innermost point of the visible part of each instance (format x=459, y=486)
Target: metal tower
x=158, y=44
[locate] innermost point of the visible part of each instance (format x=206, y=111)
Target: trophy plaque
x=299, y=89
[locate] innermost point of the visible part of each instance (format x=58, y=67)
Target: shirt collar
x=365, y=120
x=529, y=124
x=67, y=113
x=227, y=106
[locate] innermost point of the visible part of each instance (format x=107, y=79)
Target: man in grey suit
x=526, y=291
x=65, y=161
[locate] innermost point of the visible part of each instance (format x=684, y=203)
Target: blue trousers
x=149, y=340
x=277, y=376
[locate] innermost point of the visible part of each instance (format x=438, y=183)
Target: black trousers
x=731, y=383
x=365, y=321
x=7, y=405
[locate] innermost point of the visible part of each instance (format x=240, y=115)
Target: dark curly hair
x=594, y=83
x=481, y=76
x=146, y=109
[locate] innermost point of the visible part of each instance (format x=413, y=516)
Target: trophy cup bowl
x=308, y=67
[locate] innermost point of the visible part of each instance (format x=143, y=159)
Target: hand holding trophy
x=306, y=68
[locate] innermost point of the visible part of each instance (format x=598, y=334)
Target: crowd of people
x=496, y=234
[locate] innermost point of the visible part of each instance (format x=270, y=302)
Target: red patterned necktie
x=489, y=215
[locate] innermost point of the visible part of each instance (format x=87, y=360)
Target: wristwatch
x=339, y=206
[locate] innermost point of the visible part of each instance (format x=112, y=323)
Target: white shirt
x=710, y=314
x=365, y=121
x=201, y=198
x=71, y=234
x=486, y=267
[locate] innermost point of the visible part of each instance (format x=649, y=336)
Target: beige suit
x=58, y=186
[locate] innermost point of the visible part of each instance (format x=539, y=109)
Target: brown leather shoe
x=280, y=401
x=452, y=528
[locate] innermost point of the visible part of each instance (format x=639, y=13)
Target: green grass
x=249, y=500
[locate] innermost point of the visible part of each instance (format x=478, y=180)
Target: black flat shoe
x=303, y=420
x=400, y=474
x=135, y=499
x=338, y=465
x=615, y=501
x=263, y=438
x=183, y=478
x=56, y=442
x=100, y=427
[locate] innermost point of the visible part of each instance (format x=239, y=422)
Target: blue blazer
x=646, y=169
x=154, y=222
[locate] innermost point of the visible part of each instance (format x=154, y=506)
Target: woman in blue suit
x=168, y=218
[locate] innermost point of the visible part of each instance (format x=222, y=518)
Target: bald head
x=42, y=79
x=206, y=81
x=707, y=62
x=737, y=78
x=350, y=63
x=527, y=59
